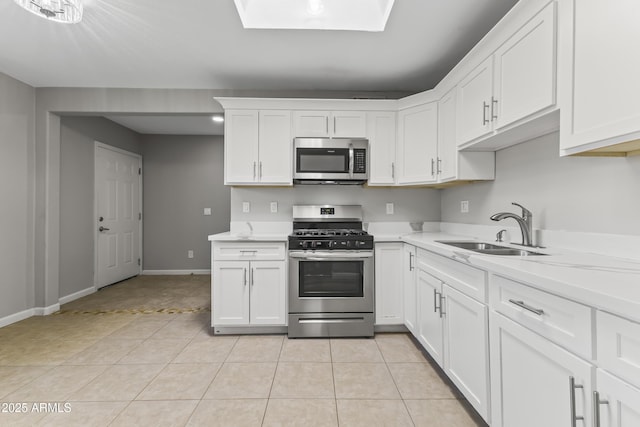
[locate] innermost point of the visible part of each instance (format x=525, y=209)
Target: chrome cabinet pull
x=254, y=171
x=251, y=275
x=439, y=166
x=522, y=304
x=433, y=167
x=485, y=110
x=494, y=109
x=334, y=125
x=572, y=401
x=442, y=301
x=410, y=262
x=596, y=408
x=260, y=171
x=245, y=276
x=435, y=300
x=393, y=170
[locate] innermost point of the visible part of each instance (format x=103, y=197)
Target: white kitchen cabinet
x=618, y=341
x=249, y=284
x=517, y=83
x=417, y=144
x=381, y=132
x=409, y=288
x=330, y=124
x=430, y=316
x=452, y=164
x=388, y=287
x=622, y=407
x=466, y=341
x=599, y=68
x=530, y=379
x=258, y=147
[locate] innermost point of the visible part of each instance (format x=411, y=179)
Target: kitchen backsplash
x=409, y=204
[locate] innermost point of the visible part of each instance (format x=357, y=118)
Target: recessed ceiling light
x=217, y=119
x=64, y=11
x=352, y=15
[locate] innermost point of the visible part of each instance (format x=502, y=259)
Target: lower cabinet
x=534, y=382
x=388, y=287
x=453, y=328
x=618, y=402
x=249, y=293
x=409, y=289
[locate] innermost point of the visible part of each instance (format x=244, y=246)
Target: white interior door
x=118, y=214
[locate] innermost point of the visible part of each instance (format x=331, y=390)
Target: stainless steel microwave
x=330, y=161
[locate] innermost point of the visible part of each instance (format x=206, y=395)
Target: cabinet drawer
x=565, y=322
x=230, y=251
x=619, y=346
x=464, y=278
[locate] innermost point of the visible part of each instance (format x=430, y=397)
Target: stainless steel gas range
x=330, y=273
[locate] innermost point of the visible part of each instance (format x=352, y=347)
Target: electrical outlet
x=464, y=206
x=207, y=211
x=274, y=207
x=246, y=207
x=189, y=254
x=389, y=208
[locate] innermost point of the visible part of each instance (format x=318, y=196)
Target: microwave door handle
x=351, y=160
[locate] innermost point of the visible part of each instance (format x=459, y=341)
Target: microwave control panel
x=360, y=161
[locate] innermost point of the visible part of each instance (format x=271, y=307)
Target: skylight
x=351, y=15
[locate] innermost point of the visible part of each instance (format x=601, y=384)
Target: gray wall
x=600, y=195
x=77, y=138
x=17, y=115
x=182, y=175
x=410, y=204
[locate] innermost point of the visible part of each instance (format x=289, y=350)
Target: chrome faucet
x=525, y=222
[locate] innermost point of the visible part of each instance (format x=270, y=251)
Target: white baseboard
x=174, y=272
x=74, y=296
x=16, y=317
x=45, y=311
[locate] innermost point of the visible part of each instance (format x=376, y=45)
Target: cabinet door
x=417, y=145
x=409, y=289
x=241, y=146
x=230, y=296
x=525, y=70
x=311, y=124
x=466, y=332
x=381, y=131
x=599, y=69
x=388, y=270
x=447, y=148
x=623, y=407
x=276, y=147
x=473, y=116
x=530, y=379
x=348, y=124
x=268, y=293
x=430, y=332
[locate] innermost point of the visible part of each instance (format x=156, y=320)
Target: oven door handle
x=324, y=256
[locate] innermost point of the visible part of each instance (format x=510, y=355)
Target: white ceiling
x=200, y=44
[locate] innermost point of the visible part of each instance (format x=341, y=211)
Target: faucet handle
x=526, y=213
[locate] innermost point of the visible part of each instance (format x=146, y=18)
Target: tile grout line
x=275, y=372
x=333, y=379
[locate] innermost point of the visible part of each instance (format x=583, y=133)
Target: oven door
x=331, y=282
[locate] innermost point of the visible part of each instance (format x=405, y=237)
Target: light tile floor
x=139, y=354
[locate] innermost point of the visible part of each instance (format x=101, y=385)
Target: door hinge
x=138, y=261
x=139, y=216
x=139, y=171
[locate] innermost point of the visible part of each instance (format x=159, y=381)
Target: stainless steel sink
x=488, y=248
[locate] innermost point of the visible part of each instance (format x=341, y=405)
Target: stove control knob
x=313, y=244
x=304, y=244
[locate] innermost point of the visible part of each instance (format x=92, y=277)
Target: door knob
x=103, y=228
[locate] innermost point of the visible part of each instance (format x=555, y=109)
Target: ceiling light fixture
x=217, y=119
x=351, y=15
x=65, y=11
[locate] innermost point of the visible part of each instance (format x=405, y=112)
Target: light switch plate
x=274, y=207
x=464, y=206
x=207, y=211
x=189, y=254
x=389, y=208
x=246, y=207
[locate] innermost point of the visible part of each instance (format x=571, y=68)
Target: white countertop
x=248, y=237
x=607, y=283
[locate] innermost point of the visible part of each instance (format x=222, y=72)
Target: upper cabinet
x=514, y=85
x=381, y=132
x=258, y=147
x=417, y=144
x=330, y=124
x=599, y=68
